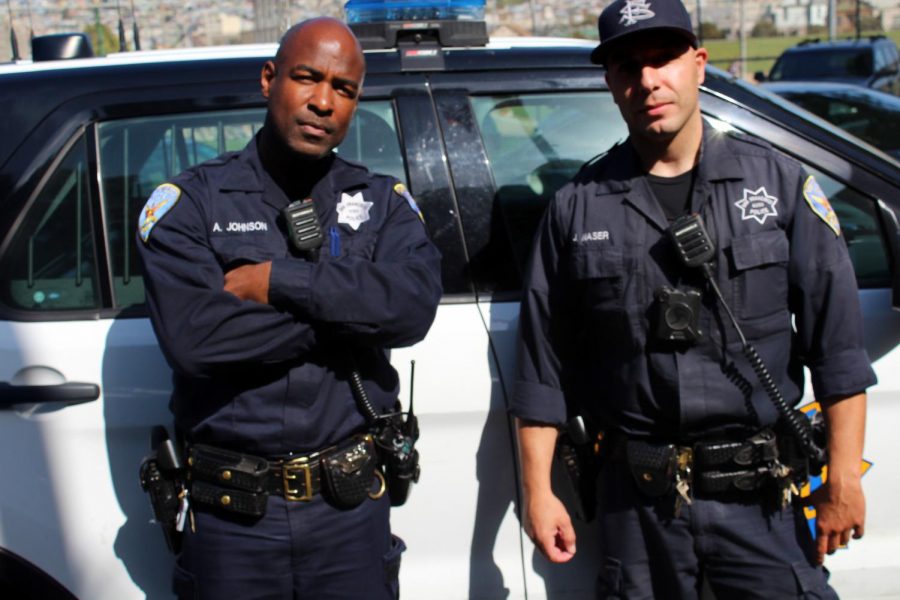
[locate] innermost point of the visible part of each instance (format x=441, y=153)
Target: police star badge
x=160, y=202
x=820, y=205
x=757, y=204
x=353, y=210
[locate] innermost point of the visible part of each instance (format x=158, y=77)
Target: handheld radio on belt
x=696, y=249
x=395, y=433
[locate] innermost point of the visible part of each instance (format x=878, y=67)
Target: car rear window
x=823, y=64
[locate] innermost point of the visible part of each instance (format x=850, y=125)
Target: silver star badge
x=757, y=204
x=353, y=210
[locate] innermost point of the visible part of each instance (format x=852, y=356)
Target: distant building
x=797, y=16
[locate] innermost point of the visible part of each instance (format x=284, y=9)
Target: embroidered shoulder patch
x=401, y=190
x=160, y=202
x=820, y=205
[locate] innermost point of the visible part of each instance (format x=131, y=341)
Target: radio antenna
x=134, y=28
x=13, y=42
x=30, y=20
x=122, y=47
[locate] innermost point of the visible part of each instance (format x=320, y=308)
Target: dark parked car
x=868, y=114
x=872, y=62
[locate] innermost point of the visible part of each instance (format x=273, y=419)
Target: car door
x=513, y=139
x=518, y=140
x=867, y=205
x=82, y=379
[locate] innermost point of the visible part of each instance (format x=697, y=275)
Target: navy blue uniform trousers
x=322, y=552
x=744, y=549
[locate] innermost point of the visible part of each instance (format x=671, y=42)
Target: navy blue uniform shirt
x=268, y=379
x=586, y=325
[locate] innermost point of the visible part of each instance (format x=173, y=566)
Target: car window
x=136, y=155
x=535, y=143
x=51, y=266
x=830, y=63
x=51, y=262
x=859, y=227
x=865, y=117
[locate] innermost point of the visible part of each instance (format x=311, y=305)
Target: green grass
x=763, y=51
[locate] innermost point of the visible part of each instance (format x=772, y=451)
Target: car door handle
x=72, y=392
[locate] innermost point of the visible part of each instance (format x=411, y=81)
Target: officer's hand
x=249, y=282
x=840, y=512
x=548, y=525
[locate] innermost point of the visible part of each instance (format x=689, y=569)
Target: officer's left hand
x=249, y=282
x=840, y=510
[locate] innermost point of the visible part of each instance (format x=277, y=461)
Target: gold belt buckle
x=290, y=471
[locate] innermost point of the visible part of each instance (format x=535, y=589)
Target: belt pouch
x=252, y=504
x=228, y=469
x=348, y=472
x=652, y=466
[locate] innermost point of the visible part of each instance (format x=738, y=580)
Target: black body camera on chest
x=677, y=315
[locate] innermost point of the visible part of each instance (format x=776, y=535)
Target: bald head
x=318, y=31
x=313, y=86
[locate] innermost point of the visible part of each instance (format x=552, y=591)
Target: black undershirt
x=673, y=193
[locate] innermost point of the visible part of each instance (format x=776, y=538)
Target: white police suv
x=483, y=134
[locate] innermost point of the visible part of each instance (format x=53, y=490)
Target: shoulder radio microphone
x=304, y=229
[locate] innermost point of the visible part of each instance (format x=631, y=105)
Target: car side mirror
x=759, y=77
x=890, y=225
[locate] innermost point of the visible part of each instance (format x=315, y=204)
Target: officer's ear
x=701, y=57
x=267, y=76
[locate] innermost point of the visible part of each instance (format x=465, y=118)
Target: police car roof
x=265, y=51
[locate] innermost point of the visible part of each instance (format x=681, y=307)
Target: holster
x=161, y=475
x=578, y=463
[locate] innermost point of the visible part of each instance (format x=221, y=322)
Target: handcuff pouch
x=349, y=471
x=652, y=466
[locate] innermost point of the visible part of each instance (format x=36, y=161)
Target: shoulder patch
x=401, y=191
x=160, y=202
x=820, y=205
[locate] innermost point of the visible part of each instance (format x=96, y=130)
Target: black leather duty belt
x=710, y=467
x=241, y=483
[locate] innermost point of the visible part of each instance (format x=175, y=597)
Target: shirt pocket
x=761, y=263
x=338, y=243
x=233, y=251
x=599, y=272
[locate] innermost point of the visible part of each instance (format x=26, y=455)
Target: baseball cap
x=626, y=17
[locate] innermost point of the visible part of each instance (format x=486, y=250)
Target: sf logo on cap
x=634, y=11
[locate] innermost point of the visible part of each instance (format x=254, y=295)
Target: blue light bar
x=374, y=11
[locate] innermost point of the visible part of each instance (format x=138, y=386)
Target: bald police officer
x=263, y=332
x=698, y=465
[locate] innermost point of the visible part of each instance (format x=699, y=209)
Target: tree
x=765, y=27
x=102, y=39
x=711, y=31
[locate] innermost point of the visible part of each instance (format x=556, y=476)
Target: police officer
x=263, y=334
x=671, y=388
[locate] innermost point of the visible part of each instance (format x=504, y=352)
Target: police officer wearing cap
x=264, y=333
x=698, y=467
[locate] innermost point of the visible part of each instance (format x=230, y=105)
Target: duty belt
x=704, y=467
x=241, y=483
